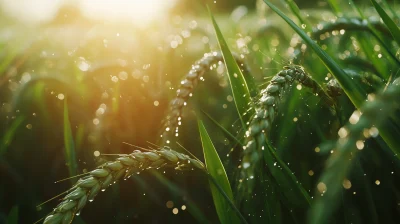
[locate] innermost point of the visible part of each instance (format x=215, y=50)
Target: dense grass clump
x=292, y=118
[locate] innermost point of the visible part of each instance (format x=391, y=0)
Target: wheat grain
x=362, y=125
x=266, y=110
x=186, y=89
x=101, y=178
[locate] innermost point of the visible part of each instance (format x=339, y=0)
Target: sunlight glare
x=139, y=12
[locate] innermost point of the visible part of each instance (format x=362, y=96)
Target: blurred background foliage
x=116, y=77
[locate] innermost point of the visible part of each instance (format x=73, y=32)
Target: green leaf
x=375, y=113
x=9, y=135
x=69, y=143
x=296, y=11
x=375, y=33
x=221, y=189
x=192, y=207
x=354, y=92
x=394, y=29
x=15, y=48
x=12, y=217
x=227, y=133
x=335, y=6
x=287, y=181
x=240, y=90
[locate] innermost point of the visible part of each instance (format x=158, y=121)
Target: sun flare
x=139, y=12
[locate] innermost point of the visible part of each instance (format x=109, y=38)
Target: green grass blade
x=69, y=143
x=287, y=181
x=296, y=11
x=221, y=188
x=394, y=29
x=227, y=133
x=12, y=217
x=354, y=92
x=192, y=207
x=394, y=14
x=375, y=113
x=375, y=33
x=9, y=135
x=336, y=7
x=240, y=90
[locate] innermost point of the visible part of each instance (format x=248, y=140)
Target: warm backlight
x=139, y=12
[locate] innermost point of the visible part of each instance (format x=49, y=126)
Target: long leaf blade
x=12, y=217
x=9, y=135
x=296, y=11
x=354, y=92
x=217, y=172
x=227, y=133
x=240, y=90
x=393, y=28
x=69, y=143
x=289, y=185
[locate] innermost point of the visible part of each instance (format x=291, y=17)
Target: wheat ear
x=362, y=125
x=186, y=89
x=101, y=178
x=266, y=110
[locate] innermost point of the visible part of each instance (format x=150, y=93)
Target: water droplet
x=346, y=184
x=360, y=144
x=114, y=78
x=170, y=204
x=123, y=75
x=96, y=121
x=60, y=96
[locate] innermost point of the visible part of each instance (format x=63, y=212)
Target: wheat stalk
x=87, y=187
x=362, y=125
x=266, y=109
x=186, y=89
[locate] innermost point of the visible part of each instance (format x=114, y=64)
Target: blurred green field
x=74, y=87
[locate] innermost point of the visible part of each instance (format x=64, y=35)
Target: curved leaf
x=69, y=143
x=239, y=86
x=221, y=189
x=394, y=29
